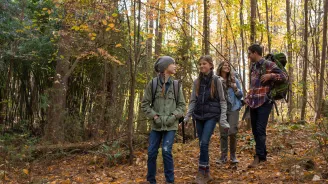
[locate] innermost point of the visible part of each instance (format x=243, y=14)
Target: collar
x=209, y=75
x=260, y=62
x=161, y=79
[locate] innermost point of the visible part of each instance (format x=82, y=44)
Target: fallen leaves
x=89, y=168
x=25, y=171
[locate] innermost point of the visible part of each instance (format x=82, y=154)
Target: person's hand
x=246, y=100
x=234, y=86
x=185, y=121
x=156, y=117
x=266, y=77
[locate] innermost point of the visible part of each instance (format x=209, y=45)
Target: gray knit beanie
x=162, y=63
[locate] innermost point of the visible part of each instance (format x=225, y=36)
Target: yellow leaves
x=76, y=28
x=92, y=36
x=79, y=179
x=47, y=10
x=107, y=56
x=150, y=35
x=25, y=171
x=139, y=180
x=100, y=53
x=83, y=27
x=114, y=14
x=104, y=22
x=68, y=181
x=118, y=45
x=111, y=25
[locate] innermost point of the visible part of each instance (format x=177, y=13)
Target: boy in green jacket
x=164, y=108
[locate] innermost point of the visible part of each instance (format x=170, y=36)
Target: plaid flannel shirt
x=257, y=94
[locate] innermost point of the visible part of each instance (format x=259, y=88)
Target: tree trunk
x=305, y=61
x=159, y=28
x=323, y=60
x=241, y=17
x=206, y=32
x=290, y=68
x=150, y=31
x=267, y=25
x=57, y=106
x=253, y=18
x=134, y=58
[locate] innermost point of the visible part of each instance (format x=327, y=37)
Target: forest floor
x=293, y=158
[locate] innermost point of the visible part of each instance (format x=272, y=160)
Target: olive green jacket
x=165, y=106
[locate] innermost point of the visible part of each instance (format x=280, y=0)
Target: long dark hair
x=208, y=59
x=230, y=76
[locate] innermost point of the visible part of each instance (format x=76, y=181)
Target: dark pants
x=205, y=130
x=259, y=120
x=154, y=143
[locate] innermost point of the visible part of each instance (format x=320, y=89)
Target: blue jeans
x=205, y=130
x=155, y=138
x=259, y=121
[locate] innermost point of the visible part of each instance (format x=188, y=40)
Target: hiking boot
x=255, y=162
x=233, y=158
x=222, y=160
x=200, y=178
x=207, y=177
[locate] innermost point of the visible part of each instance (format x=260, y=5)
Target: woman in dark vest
x=207, y=106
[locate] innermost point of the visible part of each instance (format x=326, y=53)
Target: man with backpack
x=265, y=77
x=163, y=102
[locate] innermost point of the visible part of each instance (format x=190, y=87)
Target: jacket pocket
x=158, y=122
x=170, y=120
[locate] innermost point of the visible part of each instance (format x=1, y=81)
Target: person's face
x=252, y=56
x=225, y=68
x=204, y=66
x=171, y=69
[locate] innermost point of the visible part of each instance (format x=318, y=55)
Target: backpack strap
x=216, y=80
x=263, y=68
x=176, y=90
x=154, y=82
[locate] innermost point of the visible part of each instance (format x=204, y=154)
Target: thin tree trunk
x=267, y=25
x=159, y=28
x=305, y=61
x=323, y=60
x=253, y=18
x=134, y=58
x=206, y=45
x=290, y=68
x=241, y=16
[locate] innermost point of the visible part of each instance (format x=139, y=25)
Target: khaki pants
x=233, y=119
